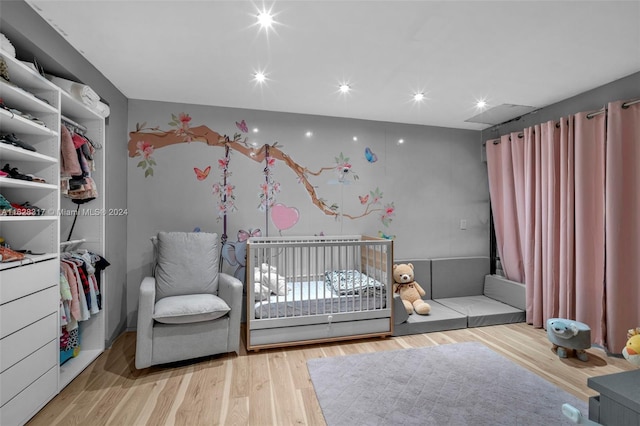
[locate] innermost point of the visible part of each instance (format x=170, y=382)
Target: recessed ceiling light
x=255, y=130
x=344, y=87
x=259, y=76
x=481, y=103
x=418, y=97
x=265, y=19
x=309, y=133
x=401, y=141
x=355, y=138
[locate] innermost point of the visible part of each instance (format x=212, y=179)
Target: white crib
x=304, y=290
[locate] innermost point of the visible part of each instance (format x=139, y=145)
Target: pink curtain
x=501, y=185
x=622, y=229
x=589, y=222
x=544, y=211
x=553, y=199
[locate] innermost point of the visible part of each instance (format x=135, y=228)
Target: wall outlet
x=463, y=224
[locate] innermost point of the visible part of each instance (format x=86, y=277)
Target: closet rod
x=603, y=110
x=73, y=123
x=64, y=245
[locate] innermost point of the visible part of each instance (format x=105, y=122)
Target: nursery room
x=319, y=213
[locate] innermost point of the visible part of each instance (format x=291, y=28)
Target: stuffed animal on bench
x=410, y=291
x=565, y=334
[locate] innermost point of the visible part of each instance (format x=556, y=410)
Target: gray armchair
x=188, y=309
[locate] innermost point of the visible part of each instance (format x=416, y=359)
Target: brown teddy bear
x=410, y=291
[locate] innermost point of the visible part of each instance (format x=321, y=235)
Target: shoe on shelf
x=37, y=211
x=34, y=119
x=36, y=178
x=12, y=139
x=6, y=209
x=15, y=174
x=22, y=211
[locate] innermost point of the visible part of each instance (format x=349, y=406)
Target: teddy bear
x=410, y=291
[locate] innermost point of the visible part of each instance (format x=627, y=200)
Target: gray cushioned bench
x=462, y=294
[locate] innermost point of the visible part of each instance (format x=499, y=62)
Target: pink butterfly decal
x=242, y=126
x=244, y=235
x=363, y=199
x=202, y=174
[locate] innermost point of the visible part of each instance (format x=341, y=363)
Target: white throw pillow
x=189, y=308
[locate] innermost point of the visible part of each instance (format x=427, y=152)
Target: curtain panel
x=566, y=202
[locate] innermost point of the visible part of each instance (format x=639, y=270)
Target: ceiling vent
x=500, y=114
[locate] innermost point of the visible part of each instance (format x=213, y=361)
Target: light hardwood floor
x=272, y=387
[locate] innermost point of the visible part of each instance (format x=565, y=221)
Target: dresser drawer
x=23, y=280
x=26, y=310
x=26, y=341
x=27, y=371
x=21, y=408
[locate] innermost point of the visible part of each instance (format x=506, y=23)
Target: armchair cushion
x=189, y=308
x=187, y=264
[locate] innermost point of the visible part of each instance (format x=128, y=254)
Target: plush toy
x=631, y=350
x=236, y=253
x=410, y=291
x=566, y=334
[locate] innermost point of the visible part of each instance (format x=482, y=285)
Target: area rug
x=453, y=384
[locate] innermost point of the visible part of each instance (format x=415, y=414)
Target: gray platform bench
x=441, y=317
x=462, y=294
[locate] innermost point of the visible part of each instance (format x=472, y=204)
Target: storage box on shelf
x=29, y=293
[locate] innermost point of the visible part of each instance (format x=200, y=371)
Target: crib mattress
x=314, y=298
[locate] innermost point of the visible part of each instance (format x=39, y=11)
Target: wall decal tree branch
x=153, y=138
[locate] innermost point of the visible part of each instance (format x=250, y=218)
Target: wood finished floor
x=272, y=387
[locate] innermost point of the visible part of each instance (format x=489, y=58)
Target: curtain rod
x=604, y=109
x=589, y=116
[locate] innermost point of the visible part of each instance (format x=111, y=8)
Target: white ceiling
x=205, y=52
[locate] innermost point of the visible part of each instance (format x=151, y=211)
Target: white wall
x=435, y=179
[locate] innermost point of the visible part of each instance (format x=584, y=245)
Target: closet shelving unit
x=29, y=290
x=88, y=233
x=30, y=370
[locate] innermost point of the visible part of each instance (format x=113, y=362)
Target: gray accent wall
x=435, y=179
x=34, y=38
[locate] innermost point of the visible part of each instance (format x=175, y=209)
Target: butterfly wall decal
x=363, y=198
x=244, y=235
x=385, y=236
x=242, y=126
x=202, y=174
x=370, y=156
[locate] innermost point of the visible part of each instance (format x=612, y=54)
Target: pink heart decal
x=284, y=217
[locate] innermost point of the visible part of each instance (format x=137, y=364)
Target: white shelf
x=15, y=97
x=35, y=278
x=14, y=153
x=28, y=260
x=74, y=366
x=6, y=182
x=13, y=123
x=73, y=108
x=25, y=218
x=26, y=77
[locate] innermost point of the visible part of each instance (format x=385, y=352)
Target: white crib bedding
x=313, y=298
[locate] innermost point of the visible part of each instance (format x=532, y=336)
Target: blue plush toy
x=565, y=334
x=236, y=253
